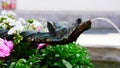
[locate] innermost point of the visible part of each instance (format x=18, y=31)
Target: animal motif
x=57, y=34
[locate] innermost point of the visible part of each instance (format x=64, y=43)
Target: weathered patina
x=57, y=34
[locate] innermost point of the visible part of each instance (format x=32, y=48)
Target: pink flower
x=5, y=47
x=9, y=44
x=41, y=45
x=38, y=29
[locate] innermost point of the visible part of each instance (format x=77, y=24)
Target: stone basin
x=104, y=57
x=104, y=49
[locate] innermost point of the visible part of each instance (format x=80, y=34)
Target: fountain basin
x=104, y=57
x=100, y=40
x=104, y=49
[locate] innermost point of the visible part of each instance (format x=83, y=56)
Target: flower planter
x=23, y=45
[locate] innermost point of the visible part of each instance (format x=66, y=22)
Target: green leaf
x=30, y=20
x=22, y=61
x=45, y=66
x=12, y=65
x=66, y=63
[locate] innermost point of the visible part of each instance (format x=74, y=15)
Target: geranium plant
x=17, y=53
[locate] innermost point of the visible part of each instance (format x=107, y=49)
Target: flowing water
x=108, y=21
x=103, y=63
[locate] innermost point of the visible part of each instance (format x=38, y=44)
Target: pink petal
x=41, y=45
x=5, y=47
x=38, y=29
x=9, y=44
x=6, y=54
x=1, y=40
x=1, y=54
x=5, y=51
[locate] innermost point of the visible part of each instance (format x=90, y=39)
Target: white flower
x=1, y=24
x=11, y=31
x=23, y=22
x=4, y=16
x=10, y=13
x=18, y=23
x=19, y=28
x=4, y=26
x=5, y=21
x=11, y=22
x=4, y=13
x=44, y=27
x=15, y=29
x=36, y=24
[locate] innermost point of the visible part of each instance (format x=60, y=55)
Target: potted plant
x=15, y=52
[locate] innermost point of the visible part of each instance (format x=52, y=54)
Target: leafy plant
x=22, y=50
x=58, y=56
x=18, y=53
x=68, y=55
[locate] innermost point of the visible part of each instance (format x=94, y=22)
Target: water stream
x=106, y=63
x=108, y=21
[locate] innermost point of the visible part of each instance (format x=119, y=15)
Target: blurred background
x=62, y=5
x=66, y=10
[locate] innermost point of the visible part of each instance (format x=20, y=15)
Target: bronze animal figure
x=57, y=34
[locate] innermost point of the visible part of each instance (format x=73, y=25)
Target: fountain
x=61, y=35
x=56, y=35
x=108, y=21
x=105, y=57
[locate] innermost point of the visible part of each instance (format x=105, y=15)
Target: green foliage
x=2, y=64
x=17, y=38
x=1, y=19
x=22, y=50
x=19, y=64
x=67, y=64
x=33, y=62
x=30, y=20
x=69, y=55
x=58, y=56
